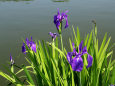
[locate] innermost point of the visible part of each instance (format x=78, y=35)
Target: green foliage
x=49, y=65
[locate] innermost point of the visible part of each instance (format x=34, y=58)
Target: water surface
x=24, y=18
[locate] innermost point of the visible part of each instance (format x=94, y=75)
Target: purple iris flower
x=59, y=17
x=77, y=62
x=112, y=85
x=31, y=45
x=53, y=35
x=11, y=60
x=23, y=48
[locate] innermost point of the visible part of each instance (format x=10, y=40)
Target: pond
x=25, y=18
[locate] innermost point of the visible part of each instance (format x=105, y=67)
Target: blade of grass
x=28, y=76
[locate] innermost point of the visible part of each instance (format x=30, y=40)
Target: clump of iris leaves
x=86, y=64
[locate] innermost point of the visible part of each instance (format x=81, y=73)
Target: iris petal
x=69, y=57
x=27, y=42
x=84, y=51
x=73, y=45
x=89, y=60
x=53, y=35
x=66, y=11
x=11, y=60
x=55, y=19
x=77, y=64
x=58, y=24
x=80, y=46
x=66, y=25
x=74, y=50
x=23, y=49
x=33, y=47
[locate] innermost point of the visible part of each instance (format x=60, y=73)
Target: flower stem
x=61, y=42
x=12, y=69
x=80, y=79
x=53, y=49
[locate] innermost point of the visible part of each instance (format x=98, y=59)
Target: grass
x=49, y=65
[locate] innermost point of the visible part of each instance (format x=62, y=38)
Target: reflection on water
x=32, y=0
x=15, y=0
x=60, y=0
